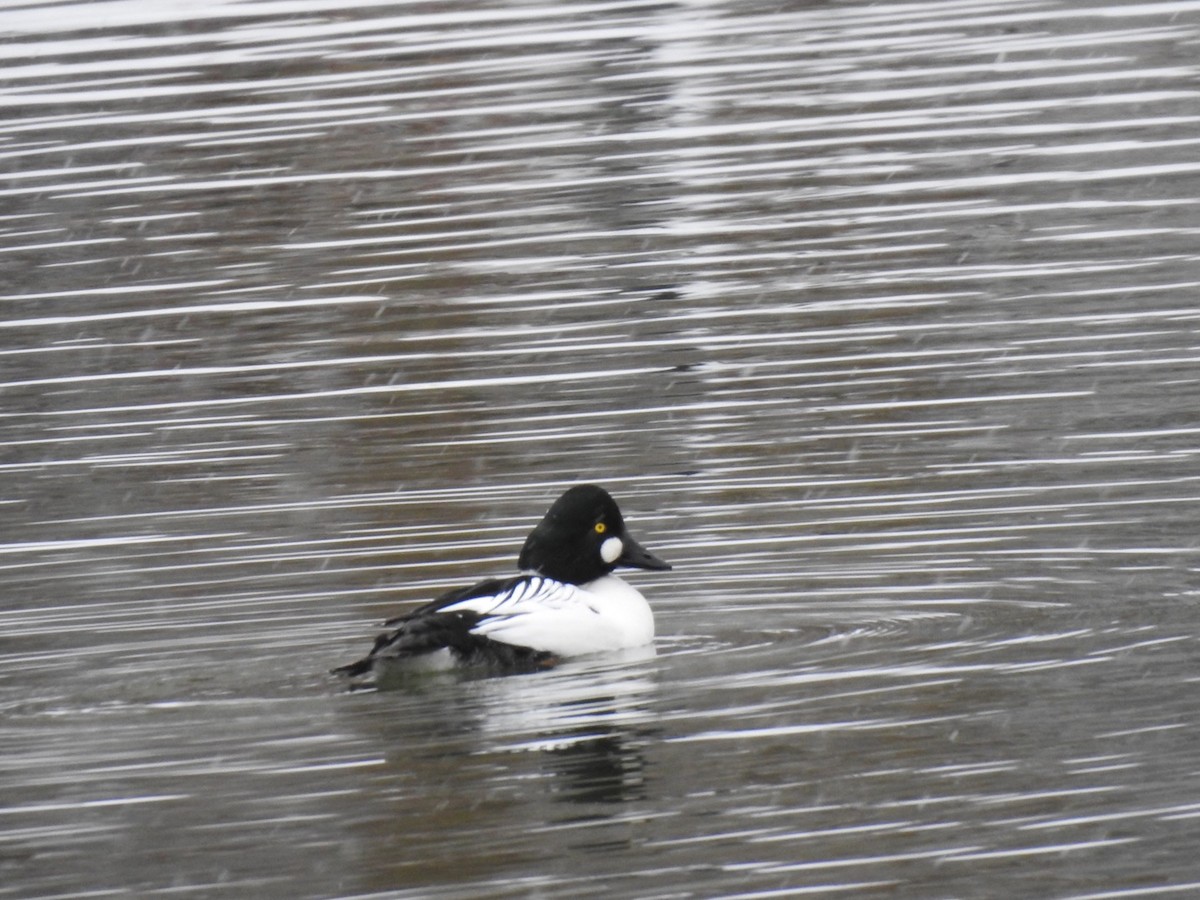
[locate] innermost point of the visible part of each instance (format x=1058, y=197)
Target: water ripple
x=879, y=319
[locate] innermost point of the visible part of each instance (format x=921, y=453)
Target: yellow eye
x=601, y=528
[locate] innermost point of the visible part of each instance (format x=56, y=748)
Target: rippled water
x=879, y=319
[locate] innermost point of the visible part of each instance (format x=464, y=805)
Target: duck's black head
x=582, y=537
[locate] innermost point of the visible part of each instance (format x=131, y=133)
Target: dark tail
x=363, y=666
x=354, y=669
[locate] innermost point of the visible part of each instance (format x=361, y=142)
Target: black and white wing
x=513, y=623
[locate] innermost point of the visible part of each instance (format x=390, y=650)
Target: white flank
x=563, y=619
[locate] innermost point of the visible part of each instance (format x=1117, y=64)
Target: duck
x=565, y=603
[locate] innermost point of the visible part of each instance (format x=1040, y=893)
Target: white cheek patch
x=611, y=550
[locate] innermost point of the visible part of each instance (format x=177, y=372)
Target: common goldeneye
x=565, y=603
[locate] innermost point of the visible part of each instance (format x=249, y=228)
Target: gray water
x=879, y=319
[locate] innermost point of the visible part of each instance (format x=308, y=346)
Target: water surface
x=879, y=319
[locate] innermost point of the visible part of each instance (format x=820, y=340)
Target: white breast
x=569, y=620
